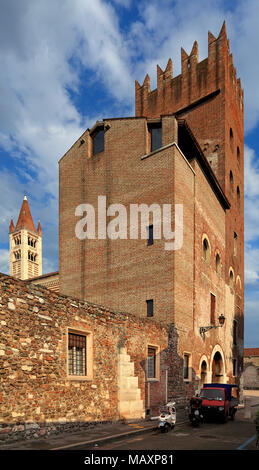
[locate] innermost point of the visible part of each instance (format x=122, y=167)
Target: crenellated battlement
x=196, y=81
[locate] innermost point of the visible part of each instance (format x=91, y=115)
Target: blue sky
x=67, y=63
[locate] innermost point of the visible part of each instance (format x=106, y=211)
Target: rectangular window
x=150, y=308
x=98, y=141
x=156, y=136
x=151, y=363
x=150, y=235
x=186, y=366
x=212, y=308
x=77, y=354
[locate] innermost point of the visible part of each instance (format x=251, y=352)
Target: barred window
x=76, y=354
x=151, y=363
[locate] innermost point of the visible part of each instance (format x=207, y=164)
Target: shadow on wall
x=238, y=343
x=251, y=376
x=169, y=377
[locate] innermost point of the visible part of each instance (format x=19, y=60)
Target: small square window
x=150, y=307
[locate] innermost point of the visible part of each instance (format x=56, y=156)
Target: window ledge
x=157, y=150
x=152, y=379
x=81, y=378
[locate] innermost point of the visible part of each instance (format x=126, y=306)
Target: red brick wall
x=209, y=96
x=109, y=271
x=123, y=274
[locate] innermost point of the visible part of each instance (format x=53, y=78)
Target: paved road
x=208, y=436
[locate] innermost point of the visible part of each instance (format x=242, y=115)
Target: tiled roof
x=251, y=352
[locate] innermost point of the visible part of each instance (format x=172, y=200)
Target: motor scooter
x=195, y=411
x=167, y=417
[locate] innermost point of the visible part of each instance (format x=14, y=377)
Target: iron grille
x=76, y=354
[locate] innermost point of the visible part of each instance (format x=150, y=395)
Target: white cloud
x=251, y=320
x=251, y=195
x=122, y=3
x=38, y=119
x=251, y=265
x=251, y=165
x=44, y=47
x=4, y=261
x=251, y=277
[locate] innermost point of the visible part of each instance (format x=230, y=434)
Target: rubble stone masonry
x=37, y=396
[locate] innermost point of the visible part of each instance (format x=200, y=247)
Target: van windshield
x=211, y=394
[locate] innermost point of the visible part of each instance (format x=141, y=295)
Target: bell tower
x=25, y=245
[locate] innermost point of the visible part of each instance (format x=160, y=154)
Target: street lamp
x=204, y=329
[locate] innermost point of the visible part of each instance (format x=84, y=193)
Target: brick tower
x=208, y=95
x=183, y=147
x=25, y=245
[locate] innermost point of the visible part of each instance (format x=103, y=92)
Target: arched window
x=218, y=264
x=31, y=256
x=17, y=255
x=206, y=250
x=31, y=242
x=231, y=181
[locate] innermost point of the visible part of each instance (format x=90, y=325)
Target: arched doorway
x=203, y=373
x=217, y=368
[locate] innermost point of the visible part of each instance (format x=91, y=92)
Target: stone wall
x=50, y=281
x=251, y=368
x=37, y=396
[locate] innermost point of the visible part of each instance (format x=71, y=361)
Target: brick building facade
x=184, y=148
x=196, y=122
